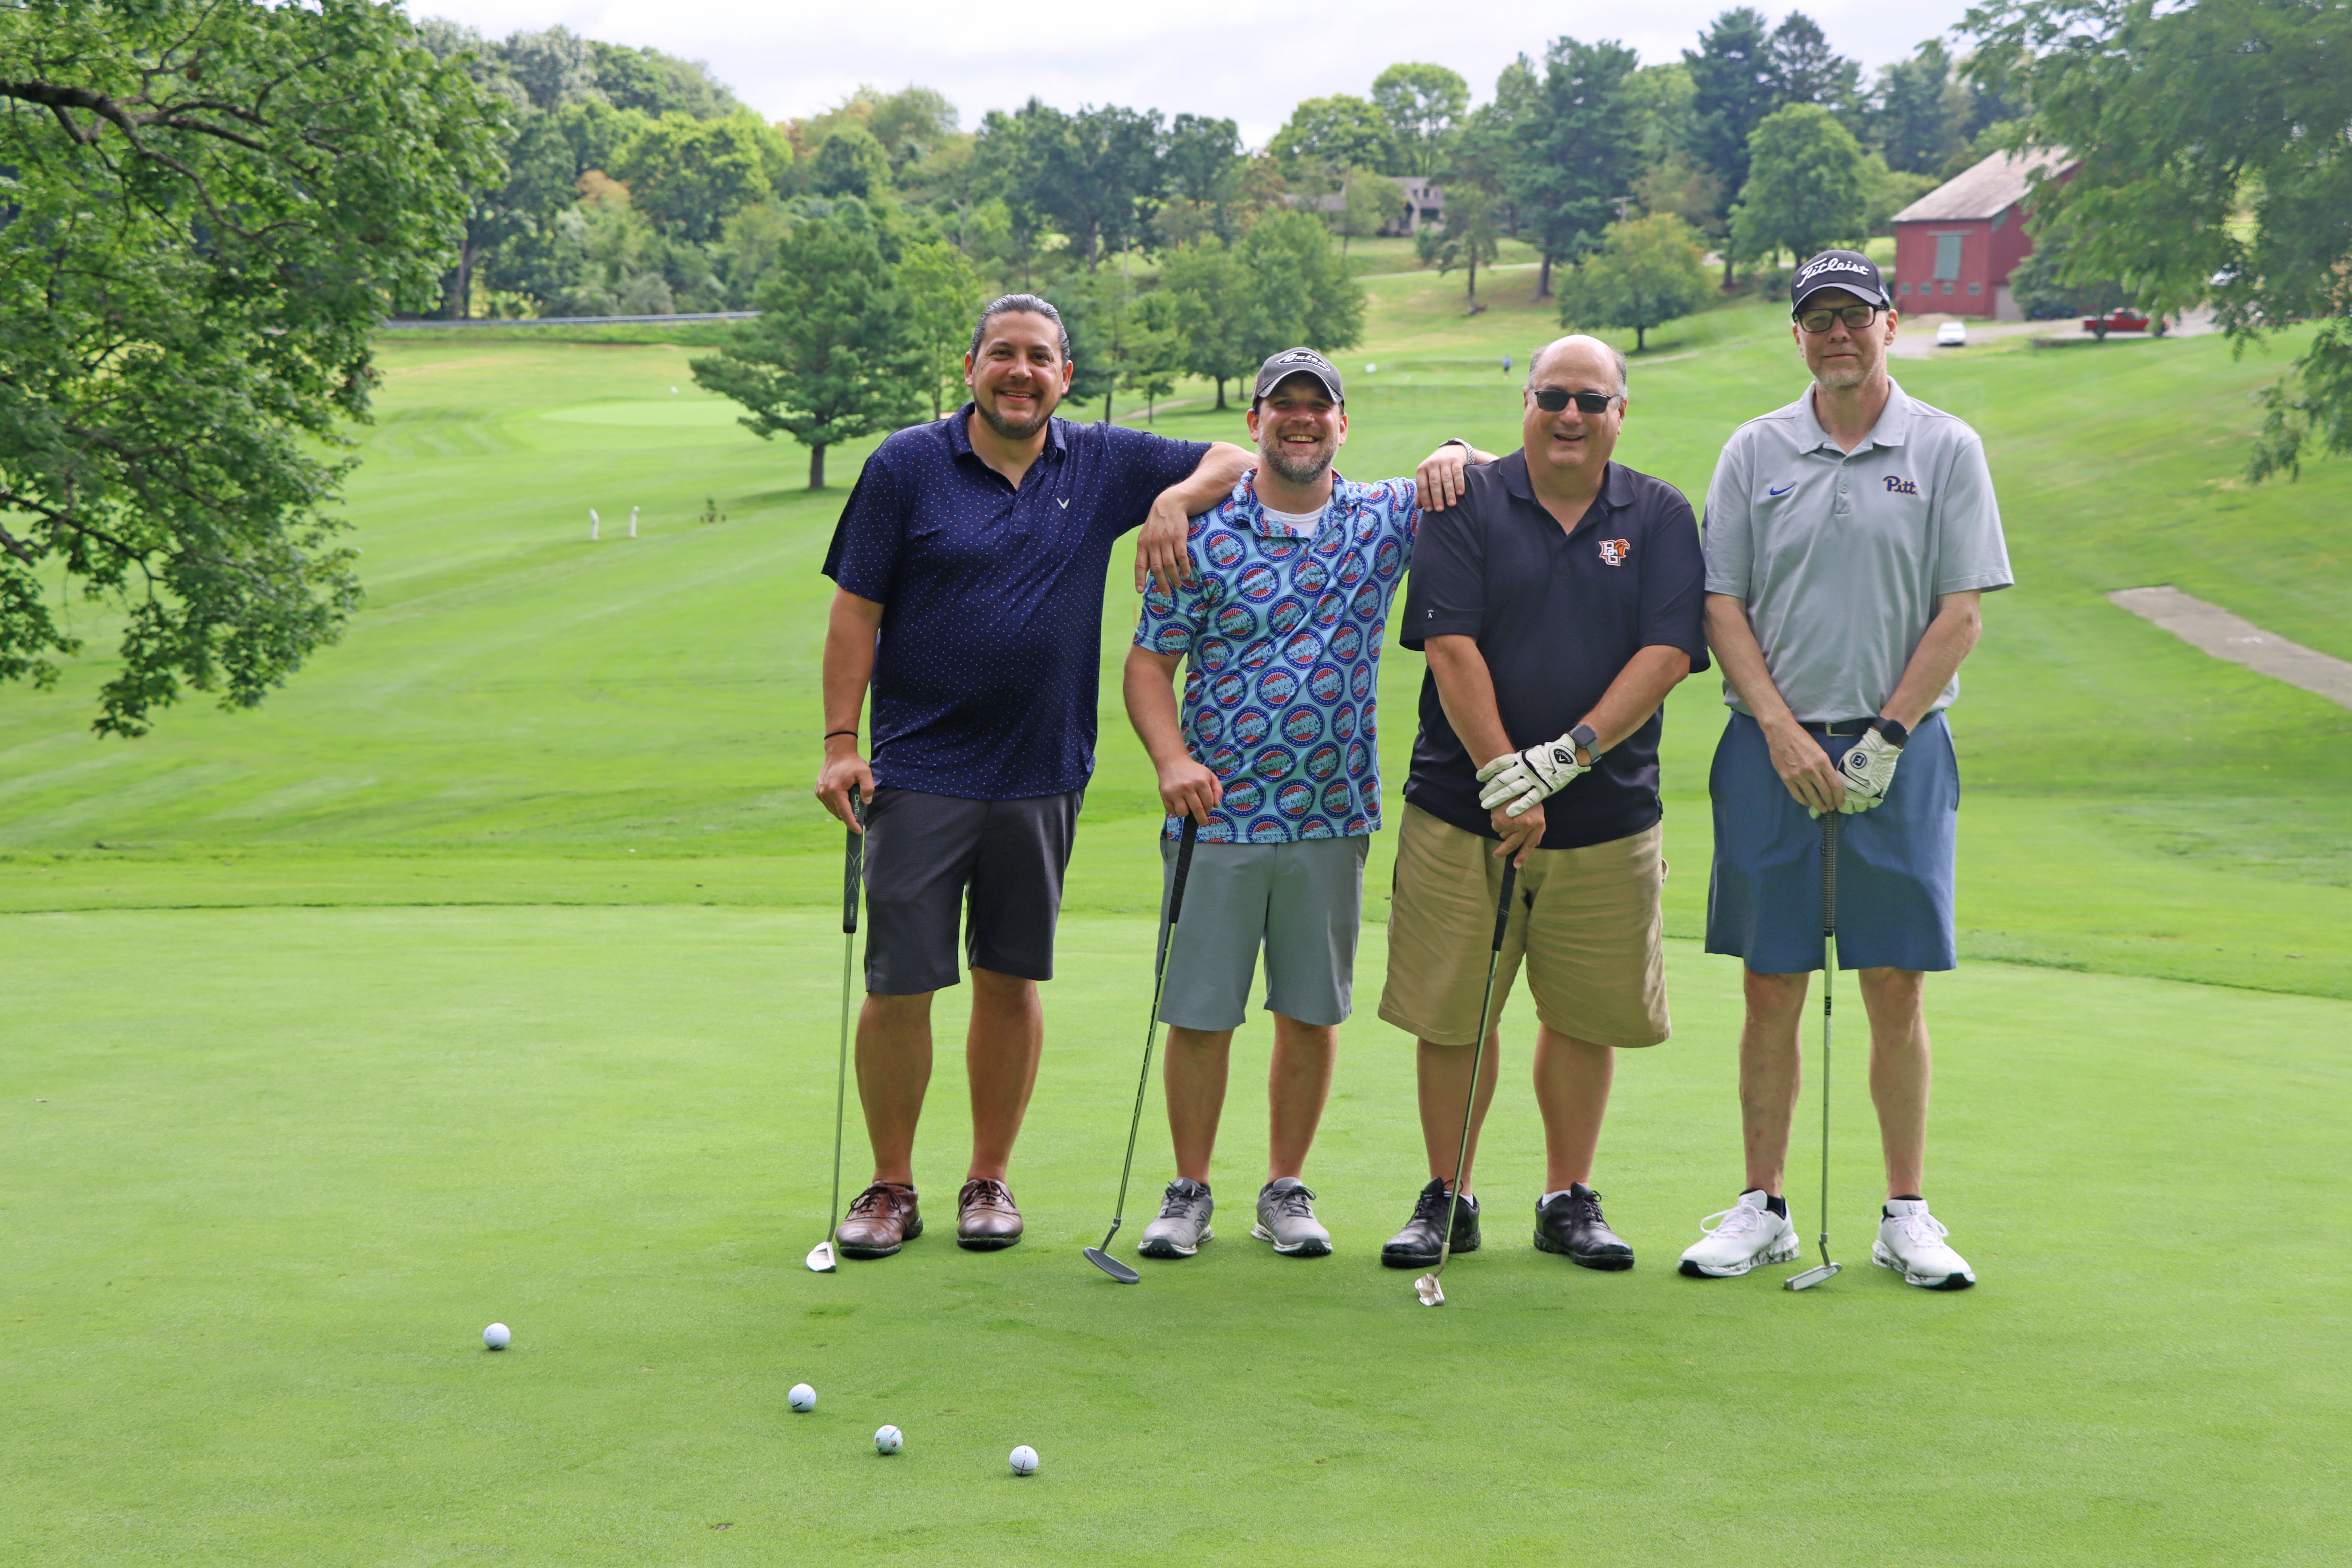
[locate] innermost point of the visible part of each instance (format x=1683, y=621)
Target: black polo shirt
x=1557, y=617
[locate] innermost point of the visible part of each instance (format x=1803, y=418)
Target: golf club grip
x=1503, y=905
x=853, y=864
x=1183, y=865
x=1829, y=873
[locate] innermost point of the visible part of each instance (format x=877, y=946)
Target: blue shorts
x=1894, y=860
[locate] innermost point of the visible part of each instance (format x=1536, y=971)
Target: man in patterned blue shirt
x=1275, y=756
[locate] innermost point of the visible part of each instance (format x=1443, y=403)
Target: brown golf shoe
x=985, y=1218
x=881, y=1220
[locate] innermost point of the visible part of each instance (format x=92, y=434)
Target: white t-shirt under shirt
x=1842, y=556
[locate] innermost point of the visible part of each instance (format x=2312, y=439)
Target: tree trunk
x=1221, y=394
x=1473, y=283
x=1543, y=279
x=1726, y=268
x=1106, y=408
x=461, y=283
x=1641, y=339
x=816, y=467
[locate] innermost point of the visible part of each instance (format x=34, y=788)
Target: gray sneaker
x=1285, y=1217
x=1183, y=1222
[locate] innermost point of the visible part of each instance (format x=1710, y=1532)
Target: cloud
x=1250, y=60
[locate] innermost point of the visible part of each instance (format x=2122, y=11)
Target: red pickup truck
x=2121, y=319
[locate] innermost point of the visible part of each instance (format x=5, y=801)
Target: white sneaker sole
x=1161, y=1246
x=1884, y=1255
x=1788, y=1249
x=1313, y=1246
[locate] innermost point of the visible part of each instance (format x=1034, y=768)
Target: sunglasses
x=1551, y=400
x=1855, y=318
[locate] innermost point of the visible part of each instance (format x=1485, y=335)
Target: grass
x=486, y=971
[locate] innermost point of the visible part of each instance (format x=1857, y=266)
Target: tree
x=943, y=295
x=1805, y=69
x=207, y=207
x=2214, y=168
x=1091, y=174
x=1299, y=289
x=655, y=84
x=1326, y=135
x=850, y=162
x=1203, y=165
x=1734, y=85
x=1156, y=359
x=1650, y=270
x=688, y=175
x=1808, y=186
x=1919, y=113
x=833, y=355
x=1579, y=153
x=1207, y=286
x=2042, y=287
x=1420, y=104
x=1471, y=236
x=1367, y=202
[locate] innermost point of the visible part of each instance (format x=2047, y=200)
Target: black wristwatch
x=1585, y=738
x=1895, y=734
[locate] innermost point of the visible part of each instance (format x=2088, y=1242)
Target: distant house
x=1419, y=203
x=1956, y=246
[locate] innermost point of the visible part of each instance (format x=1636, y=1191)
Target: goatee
x=1299, y=471
x=1011, y=430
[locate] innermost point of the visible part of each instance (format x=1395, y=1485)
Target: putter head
x=1432, y=1294
x=1809, y=1278
x=820, y=1257
x=1111, y=1265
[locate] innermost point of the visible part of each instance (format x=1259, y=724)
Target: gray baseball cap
x=1848, y=270
x=1298, y=361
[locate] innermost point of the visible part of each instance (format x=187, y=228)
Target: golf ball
x=887, y=1440
x=1024, y=1460
x=497, y=1337
x=802, y=1397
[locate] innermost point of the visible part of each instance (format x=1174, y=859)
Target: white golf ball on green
x=1024, y=1460
x=497, y=1337
x=801, y=1397
x=887, y=1440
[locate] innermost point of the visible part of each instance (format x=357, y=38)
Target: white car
x=1952, y=335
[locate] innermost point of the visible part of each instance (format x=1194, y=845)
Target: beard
x=1299, y=467
x=1841, y=377
x=1012, y=429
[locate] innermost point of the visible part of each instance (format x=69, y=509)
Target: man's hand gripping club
x=1535, y=774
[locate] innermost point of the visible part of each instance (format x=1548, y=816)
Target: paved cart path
x=2225, y=635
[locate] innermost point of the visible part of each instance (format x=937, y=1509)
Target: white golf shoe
x=1911, y=1240
x=1739, y=1238
x=1285, y=1217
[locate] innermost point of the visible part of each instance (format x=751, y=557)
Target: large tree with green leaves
x=1208, y=292
x=1325, y=135
x=1735, y=83
x=1471, y=237
x=1577, y=147
x=1299, y=287
x=688, y=174
x=943, y=293
x=833, y=355
x=1650, y=270
x=207, y=206
x=1808, y=186
x=2215, y=142
x=1421, y=103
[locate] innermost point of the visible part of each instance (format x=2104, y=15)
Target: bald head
x=1584, y=357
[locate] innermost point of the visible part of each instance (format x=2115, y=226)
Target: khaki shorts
x=1586, y=921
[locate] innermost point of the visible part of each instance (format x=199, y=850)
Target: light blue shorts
x=1894, y=860
x=1301, y=902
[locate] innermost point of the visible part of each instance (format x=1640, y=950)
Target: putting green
x=257, y=1217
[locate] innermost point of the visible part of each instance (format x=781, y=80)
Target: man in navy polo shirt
x=1558, y=604
x=970, y=562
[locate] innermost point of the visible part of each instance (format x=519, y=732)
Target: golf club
x=1100, y=1256
x=820, y=1257
x=1426, y=1286
x=1812, y=1277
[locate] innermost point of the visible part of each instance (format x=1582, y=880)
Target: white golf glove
x=1869, y=771
x=1526, y=778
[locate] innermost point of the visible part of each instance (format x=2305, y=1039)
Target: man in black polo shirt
x=970, y=562
x=1558, y=604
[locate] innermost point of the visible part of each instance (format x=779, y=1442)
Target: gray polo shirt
x=1842, y=556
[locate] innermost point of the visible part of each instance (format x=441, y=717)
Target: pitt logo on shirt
x=1900, y=487
x=1615, y=550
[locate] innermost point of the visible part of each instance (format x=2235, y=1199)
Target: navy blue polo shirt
x=990, y=646
x=1556, y=616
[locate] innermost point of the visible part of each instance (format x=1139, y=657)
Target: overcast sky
x=1250, y=59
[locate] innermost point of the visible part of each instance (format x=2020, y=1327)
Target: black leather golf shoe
x=1416, y=1246
x=1571, y=1224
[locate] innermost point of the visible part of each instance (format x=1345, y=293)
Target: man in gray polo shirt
x=1849, y=537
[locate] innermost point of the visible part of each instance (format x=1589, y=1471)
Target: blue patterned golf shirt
x=1281, y=627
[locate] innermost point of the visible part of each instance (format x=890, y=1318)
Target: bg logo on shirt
x=1615, y=551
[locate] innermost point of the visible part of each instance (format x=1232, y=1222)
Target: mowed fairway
x=490, y=972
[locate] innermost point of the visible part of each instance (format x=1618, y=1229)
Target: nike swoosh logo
x=1784, y=489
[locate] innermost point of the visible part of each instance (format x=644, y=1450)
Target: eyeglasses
x=1551, y=400
x=1855, y=318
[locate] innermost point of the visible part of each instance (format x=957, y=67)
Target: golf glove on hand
x=1525, y=778
x=1869, y=771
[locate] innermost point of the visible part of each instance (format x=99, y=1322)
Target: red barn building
x=1956, y=246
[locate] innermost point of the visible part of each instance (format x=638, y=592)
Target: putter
x=1814, y=1276
x=1100, y=1256
x=1426, y=1286
x=820, y=1257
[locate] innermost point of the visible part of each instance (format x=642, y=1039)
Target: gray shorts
x=1302, y=902
x=930, y=857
